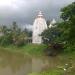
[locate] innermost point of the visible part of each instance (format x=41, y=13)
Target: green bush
x=54, y=49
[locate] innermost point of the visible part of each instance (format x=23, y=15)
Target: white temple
x=39, y=26
x=52, y=24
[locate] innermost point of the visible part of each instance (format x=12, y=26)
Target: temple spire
x=39, y=26
x=40, y=14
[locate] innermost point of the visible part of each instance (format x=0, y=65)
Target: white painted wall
x=39, y=26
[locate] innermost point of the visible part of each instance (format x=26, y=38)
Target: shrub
x=54, y=49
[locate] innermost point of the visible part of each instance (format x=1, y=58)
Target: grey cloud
x=25, y=11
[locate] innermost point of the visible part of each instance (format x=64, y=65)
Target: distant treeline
x=14, y=35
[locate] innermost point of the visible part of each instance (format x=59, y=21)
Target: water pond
x=19, y=64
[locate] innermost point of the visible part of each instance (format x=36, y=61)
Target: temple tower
x=39, y=26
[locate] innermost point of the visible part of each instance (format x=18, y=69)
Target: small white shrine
x=52, y=24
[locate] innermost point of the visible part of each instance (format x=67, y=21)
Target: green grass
x=29, y=49
x=54, y=72
x=34, y=49
x=49, y=72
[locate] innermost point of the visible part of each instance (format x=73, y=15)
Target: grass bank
x=49, y=72
x=29, y=49
x=54, y=72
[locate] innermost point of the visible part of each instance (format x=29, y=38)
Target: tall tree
x=68, y=15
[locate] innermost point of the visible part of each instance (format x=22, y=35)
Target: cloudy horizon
x=25, y=11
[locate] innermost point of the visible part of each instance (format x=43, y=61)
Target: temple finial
x=40, y=14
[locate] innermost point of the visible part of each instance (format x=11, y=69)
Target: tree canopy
x=64, y=32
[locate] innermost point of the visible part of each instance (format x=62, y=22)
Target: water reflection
x=19, y=64
x=14, y=63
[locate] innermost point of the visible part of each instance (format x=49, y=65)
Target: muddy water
x=19, y=64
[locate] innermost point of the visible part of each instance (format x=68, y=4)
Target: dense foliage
x=64, y=32
x=68, y=16
x=13, y=35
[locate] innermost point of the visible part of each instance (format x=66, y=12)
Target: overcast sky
x=25, y=11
